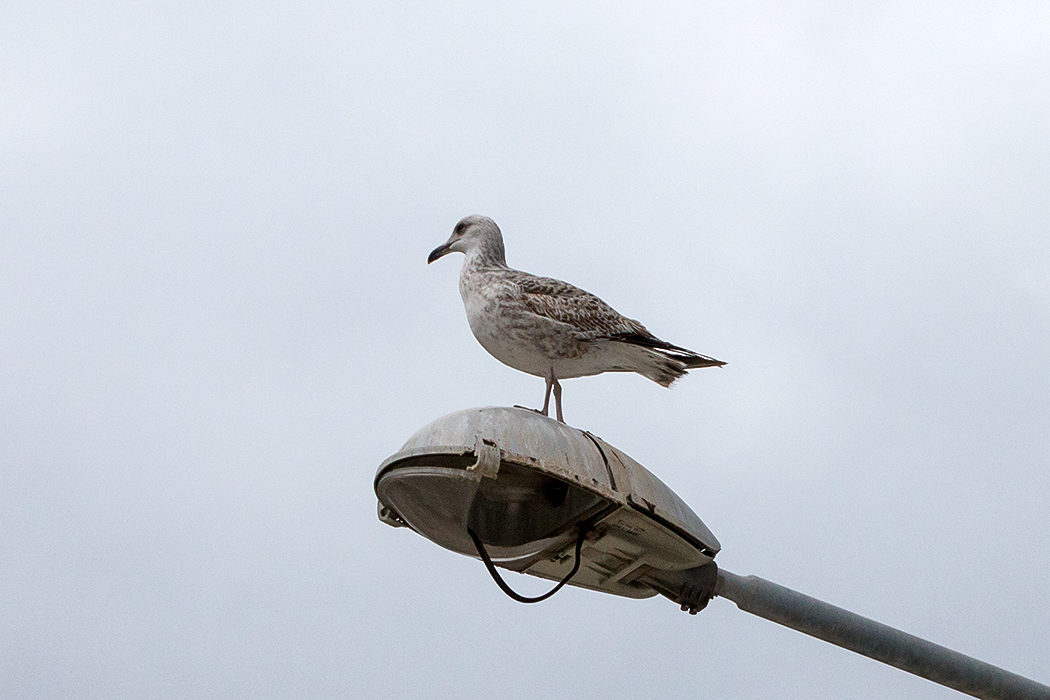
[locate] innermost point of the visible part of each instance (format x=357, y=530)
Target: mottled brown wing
x=592, y=318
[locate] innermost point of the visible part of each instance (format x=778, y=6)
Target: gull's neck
x=485, y=255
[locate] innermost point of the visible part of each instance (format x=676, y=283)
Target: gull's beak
x=442, y=249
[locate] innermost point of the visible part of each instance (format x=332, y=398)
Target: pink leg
x=557, y=397
x=547, y=394
x=552, y=385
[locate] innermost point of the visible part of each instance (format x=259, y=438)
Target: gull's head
x=473, y=236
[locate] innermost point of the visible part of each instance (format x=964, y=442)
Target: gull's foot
x=542, y=413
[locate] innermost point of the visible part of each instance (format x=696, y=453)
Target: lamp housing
x=525, y=484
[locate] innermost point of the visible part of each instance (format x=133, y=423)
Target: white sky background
x=216, y=320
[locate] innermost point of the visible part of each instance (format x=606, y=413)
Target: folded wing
x=594, y=320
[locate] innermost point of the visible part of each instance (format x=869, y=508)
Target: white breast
x=519, y=338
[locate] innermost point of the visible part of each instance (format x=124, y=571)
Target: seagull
x=549, y=328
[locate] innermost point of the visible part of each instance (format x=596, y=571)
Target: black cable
x=503, y=584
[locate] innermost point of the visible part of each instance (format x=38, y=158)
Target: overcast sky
x=216, y=321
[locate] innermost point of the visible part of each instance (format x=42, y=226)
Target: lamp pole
x=875, y=640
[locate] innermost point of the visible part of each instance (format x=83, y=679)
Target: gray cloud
x=216, y=321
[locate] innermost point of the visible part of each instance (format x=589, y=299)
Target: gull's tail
x=664, y=362
x=688, y=358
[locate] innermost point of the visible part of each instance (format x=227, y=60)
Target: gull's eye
x=460, y=227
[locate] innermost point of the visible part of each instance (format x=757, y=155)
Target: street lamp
x=526, y=493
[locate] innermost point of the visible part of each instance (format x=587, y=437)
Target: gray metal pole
x=875, y=640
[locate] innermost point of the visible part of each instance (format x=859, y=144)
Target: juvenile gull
x=549, y=328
